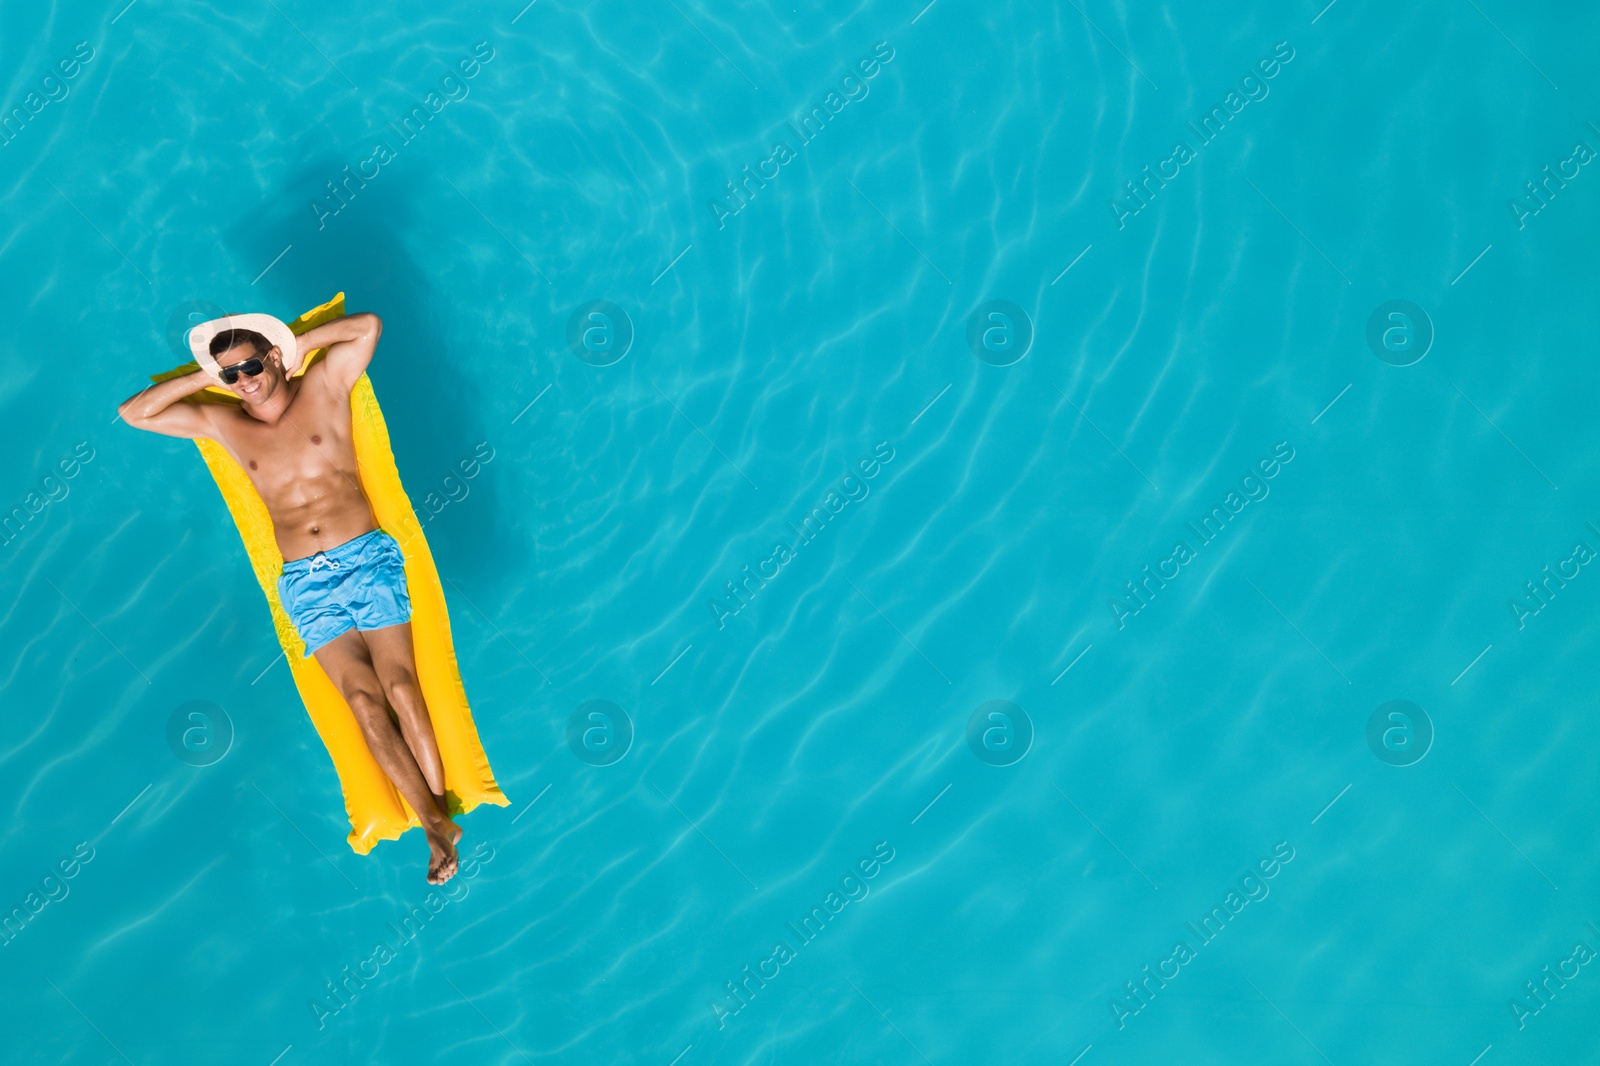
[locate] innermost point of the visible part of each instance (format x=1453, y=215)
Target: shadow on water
x=435, y=412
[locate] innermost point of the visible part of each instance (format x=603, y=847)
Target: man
x=343, y=582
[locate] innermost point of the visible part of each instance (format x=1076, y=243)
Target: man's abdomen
x=326, y=512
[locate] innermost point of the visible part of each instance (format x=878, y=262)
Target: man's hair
x=229, y=339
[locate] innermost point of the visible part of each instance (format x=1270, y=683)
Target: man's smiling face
x=261, y=387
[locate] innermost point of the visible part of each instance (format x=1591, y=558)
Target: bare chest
x=310, y=443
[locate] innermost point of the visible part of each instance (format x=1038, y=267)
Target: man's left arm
x=350, y=341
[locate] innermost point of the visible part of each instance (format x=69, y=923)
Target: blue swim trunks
x=360, y=585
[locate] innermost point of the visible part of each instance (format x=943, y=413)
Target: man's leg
x=349, y=666
x=394, y=661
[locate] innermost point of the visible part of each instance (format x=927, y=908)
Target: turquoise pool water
x=1078, y=566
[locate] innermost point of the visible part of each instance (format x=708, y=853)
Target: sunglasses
x=249, y=368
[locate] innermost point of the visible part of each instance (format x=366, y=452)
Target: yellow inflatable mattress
x=377, y=811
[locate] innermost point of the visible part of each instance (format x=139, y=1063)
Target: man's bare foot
x=442, y=861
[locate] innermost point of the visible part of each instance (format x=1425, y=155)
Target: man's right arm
x=159, y=408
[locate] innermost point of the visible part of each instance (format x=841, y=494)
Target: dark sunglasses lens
x=250, y=368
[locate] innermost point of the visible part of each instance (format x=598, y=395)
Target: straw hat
x=276, y=332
